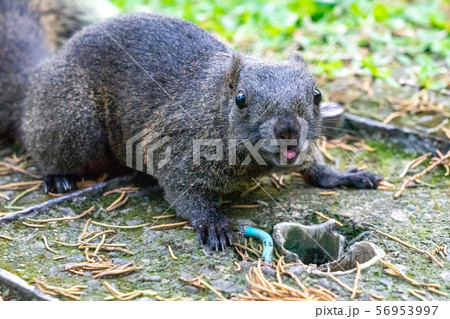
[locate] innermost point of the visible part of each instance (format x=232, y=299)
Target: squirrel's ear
x=296, y=57
x=234, y=71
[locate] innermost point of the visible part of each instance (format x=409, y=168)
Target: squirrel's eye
x=240, y=100
x=317, y=97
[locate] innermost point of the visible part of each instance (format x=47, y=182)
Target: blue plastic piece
x=266, y=239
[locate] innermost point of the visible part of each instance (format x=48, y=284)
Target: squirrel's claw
x=214, y=234
x=59, y=184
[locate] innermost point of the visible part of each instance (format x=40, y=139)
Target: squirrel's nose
x=286, y=130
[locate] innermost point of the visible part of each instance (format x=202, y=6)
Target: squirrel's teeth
x=290, y=154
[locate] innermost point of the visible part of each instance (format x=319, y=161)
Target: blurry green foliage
x=409, y=33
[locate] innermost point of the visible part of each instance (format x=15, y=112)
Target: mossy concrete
x=419, y=217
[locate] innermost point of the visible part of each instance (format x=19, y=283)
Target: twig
x=20, y=186
x=32, y=225
x=355, y=285
x=343, y=284
x=164, y=216
x=4, y=196
x=72, y=292
x=328, y=218
x=172, y=254
x=329, y=193
x=20, y=170
x=414, y=293
x=408, y=180
x=29, y=190
x=417, y=161
x=398, y=240
x=398, y=272
x=62, y=218
x=48, y=247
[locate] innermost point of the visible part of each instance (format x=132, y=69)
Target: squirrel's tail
x=30, y=31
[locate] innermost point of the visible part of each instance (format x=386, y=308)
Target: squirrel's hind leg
x=61, y=130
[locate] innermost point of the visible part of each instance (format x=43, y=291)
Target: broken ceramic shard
x=315, y=244
x=322, y=248
x=363, y=252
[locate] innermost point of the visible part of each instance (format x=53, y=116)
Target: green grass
x=358, y=37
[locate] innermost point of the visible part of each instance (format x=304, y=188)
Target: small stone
x=445, y=275
x=268, y=270
x=120, y=261
x=67, y=211
x=262, y=203
x=387, y=281
x=398, y=215
x=224, y=285
x=79, y=199
x=324, y=283
x=163, y=249
x=93, y=283
x=151, y=235
x=297, y=270
x=155, y=278
x=146, y=299
x=190, y=289
x=424, y=195
x=411, y=207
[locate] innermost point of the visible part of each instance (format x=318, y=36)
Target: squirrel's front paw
x=59, y=184
x=361, y=179
x=213, y=231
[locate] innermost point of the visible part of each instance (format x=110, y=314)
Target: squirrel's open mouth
x=292, y=153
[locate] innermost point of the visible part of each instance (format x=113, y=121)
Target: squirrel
x=75, y=110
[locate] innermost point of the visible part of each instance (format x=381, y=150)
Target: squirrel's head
x=274, y=101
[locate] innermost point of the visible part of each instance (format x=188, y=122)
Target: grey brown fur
x=31, y=30
x=143, y=71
